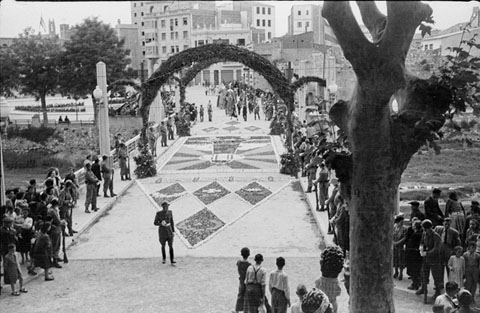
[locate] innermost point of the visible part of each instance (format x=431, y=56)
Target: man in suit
x=432, y=209
x=166, y=230
x=416, y=211
x=450, y=238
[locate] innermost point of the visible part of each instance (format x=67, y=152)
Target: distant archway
x=308, y=79
x=218, y=53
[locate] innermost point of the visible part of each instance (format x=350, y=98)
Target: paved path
x=115, y=259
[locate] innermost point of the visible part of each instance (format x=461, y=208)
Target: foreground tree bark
x=381, y=141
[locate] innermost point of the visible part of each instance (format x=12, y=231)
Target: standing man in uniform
x=432, y=209
x=209, y=110
x=322, y=183
x=166, y=230
x=107, y=173
x=163, y=134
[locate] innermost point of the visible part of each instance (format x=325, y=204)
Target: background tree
x=37, y=60
x=381, y=141
x=8, y=75
x=91, y=42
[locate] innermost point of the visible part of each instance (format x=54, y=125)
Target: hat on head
x=414, y=203
x=165, y=203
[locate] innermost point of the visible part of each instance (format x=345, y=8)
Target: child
x=242, y=266
x=456, y=264
x=12, y=271
x=301, y=292
x=279, y=289
x=472, y=263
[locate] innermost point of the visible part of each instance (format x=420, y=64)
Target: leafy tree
x=37, y=60
x=91, y=42
x=8, y=75
x=381, y=141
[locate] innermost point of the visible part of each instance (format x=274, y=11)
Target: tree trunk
x=43, y=101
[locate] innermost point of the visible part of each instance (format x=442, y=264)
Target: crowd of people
x=253, y=286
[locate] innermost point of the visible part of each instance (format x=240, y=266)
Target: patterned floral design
x=253, y=193
x=211, y=193
x=169, y=193
x=199, y=226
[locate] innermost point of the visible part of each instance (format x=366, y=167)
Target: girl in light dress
x=456, y=264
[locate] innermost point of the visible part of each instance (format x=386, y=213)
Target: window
x=241, y=42
x=299, y=12
x=143, y=24
x=177, y=48
x=164, y=49
x=306, y=13
x=299, y=24
x=258, y=10
x=176, y=22
x=171, y=22
x=141, y=13
x=164, y=36
x=263, y=22
x=162, y=22
x=141, y=4
x=185, y=34
x=185, y=47
x=307, y=24
x=258, y=22
x=185, y=21
x=143, y=52
x=172, y=35
x=431, y=46
x=143, y=43
x=176, y=35
x=269, y=11
x=135, y=23
x=172, y=49
x=269, y=35
x=143, y=33
x=263, y=10
x=426, y=47
x=134, y=14
x=200, y=43
x=269, y=23
x=134, y=5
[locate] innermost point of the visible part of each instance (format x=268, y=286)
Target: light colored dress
x=457, y=270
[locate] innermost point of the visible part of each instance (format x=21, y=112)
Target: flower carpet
x=227, y=152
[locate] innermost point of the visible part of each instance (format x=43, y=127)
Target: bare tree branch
x=403, y=19
x=354, y=44
x=373, y=19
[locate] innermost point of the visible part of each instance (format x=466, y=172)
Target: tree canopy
x=8, y=75
x=37, y=60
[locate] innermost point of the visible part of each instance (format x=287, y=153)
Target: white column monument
x=100, y=93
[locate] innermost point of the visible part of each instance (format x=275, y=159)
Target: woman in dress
x=25, y=234
x=242, y=266
x=42, y=251
x=399, y=236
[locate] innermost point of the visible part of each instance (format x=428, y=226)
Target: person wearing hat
x=166, y=230
x=301, y=292
x=449, y=238
x=255, y=281
x=430, y=250
x=432, y=209
x=415, y=212
x=399, y=236
x=413, y=259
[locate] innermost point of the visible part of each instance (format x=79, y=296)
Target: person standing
x=432, y=209
x=430, y=250
x=166, y=230
x=278, y=286
x=163, y=134
x=12, y=272
x=170, y=128
x=67, y=202
x=415, y=212
x=456, y=264
x=255, y=281
x=91, y=181
x=454, y=209
x=399, y=236
x=311, y=170
x=201, y=112
x=42, y=251
x=449, y=239
x=55, y=232
x=122, y=160
x=152, y=140
x=242, y=266
x=209, y=111
x=107, y=173
x=413, y=259
x=472, y=264
x=322, y=183
x=97, y=171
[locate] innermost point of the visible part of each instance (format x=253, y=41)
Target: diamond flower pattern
x=169, y=193
x=211, y=193
x=199, y=226
x=253, y=193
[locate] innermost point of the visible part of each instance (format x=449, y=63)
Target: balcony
x=151, y=52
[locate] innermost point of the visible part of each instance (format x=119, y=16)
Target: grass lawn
x=20, y=177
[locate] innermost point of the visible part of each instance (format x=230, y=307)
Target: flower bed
x=253, y=193
x=211, y=193
x=199, y=226
x=169, y=193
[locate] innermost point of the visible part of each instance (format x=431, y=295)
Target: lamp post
x=4, y=112
x=100, y=94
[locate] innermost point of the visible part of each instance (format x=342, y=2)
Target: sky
x=15, y=16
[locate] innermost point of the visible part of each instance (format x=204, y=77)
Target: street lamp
x=4, y=112
x=100, y=94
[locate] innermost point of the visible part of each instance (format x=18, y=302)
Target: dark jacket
x=7, y=236
x=164, y=231
x=433, y=212
x=96, y=170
